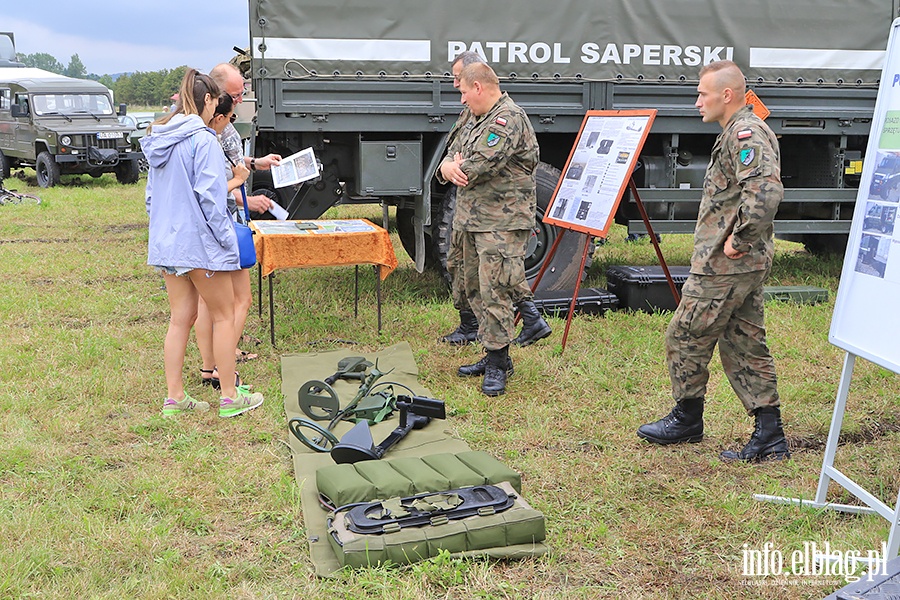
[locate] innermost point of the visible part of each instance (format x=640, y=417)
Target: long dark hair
x=226, y=103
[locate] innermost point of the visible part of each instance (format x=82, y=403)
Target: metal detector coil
x=318, y=400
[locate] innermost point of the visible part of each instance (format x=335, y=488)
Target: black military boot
x=466, y=332
x=534, y=327
x=495, y=372
x=767, y=442
x=477, y=369
x=683, y=424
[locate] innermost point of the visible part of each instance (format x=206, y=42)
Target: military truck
x=61, y=125
x=369, y=88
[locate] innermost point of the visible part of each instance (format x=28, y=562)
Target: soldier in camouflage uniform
x=534, y=327
x=722, y=299
x=492, y=162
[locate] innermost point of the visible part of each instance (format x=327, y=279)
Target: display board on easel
x=594, y=180
x=598, y=170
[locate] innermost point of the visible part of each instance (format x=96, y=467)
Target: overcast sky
x=116, y=36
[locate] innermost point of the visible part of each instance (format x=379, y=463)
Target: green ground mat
x=436, y=438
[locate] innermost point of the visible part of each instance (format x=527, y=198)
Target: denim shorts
x=177, y=271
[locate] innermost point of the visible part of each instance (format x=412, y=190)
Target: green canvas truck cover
x=824, y=42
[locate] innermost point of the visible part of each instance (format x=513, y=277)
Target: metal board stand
x=830, y=473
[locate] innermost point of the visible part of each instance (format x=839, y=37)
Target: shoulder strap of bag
x=246, y=208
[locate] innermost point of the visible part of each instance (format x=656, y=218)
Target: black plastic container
x=645, y=288
x=592, y=301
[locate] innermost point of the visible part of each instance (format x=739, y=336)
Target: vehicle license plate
x=108, y=135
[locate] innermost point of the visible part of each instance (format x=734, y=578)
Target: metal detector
x=322, y=440
x=318, y=400
x=415, y=413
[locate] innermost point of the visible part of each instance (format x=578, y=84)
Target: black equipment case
x=645, y=288
x=592, y=301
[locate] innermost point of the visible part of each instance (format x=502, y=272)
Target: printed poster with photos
x=598, y=170
x=864, y=322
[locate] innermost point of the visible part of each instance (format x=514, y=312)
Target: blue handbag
x=246, y=247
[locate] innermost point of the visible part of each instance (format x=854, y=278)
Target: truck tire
x=4, y=167
x=563, y=271
x=128, y=172
x=47, y=170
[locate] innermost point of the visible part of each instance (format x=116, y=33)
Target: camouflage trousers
x=458, y=280
x=493, y=270
x=728, y=310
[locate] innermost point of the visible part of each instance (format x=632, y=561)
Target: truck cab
x=60, y=125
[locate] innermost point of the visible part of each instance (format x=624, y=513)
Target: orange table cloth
x=334, y=243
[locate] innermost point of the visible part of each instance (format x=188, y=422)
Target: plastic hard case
x=645, y=288
x=593, y=301
x=801, y=294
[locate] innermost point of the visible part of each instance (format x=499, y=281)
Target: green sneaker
x=245, y=401
x=172, y=407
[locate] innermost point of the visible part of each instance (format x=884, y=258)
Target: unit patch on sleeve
x=492, y=139
x=748, y=156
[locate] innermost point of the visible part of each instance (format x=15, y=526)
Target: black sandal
x=213, y=381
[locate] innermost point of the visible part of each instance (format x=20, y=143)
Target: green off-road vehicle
x=61, y=126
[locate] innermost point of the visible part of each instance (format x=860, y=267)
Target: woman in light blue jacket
x=192, y=240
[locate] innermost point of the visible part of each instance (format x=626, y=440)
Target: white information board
x=598, y=170
x=866, y=319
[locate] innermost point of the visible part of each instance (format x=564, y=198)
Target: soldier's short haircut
x=727, y=75
x=480, y=72
x=467, y=57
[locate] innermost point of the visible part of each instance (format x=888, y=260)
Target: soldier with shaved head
x=722, y=299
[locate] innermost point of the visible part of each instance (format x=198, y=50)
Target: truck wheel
x=4, y=166
x=128, y=171
x=563, y=271
x=47, y=170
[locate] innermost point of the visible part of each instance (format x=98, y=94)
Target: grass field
x=100, y=497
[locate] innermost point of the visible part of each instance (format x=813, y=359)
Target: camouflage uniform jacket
x=500, y=153
x=741, y=194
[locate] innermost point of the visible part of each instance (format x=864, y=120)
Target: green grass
x=100, y=497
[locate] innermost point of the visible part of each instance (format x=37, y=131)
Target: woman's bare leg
x=182, y=314
x=217, y=290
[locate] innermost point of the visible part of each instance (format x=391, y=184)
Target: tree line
x=151, y=88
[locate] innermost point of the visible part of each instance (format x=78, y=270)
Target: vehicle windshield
x=891, y=163
x=70, y=104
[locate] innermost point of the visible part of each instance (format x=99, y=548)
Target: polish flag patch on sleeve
x=500, y=121
x=744, y=134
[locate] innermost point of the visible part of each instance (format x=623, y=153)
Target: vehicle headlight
x=65, y=140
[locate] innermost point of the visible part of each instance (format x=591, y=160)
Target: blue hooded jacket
x=190, y=226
